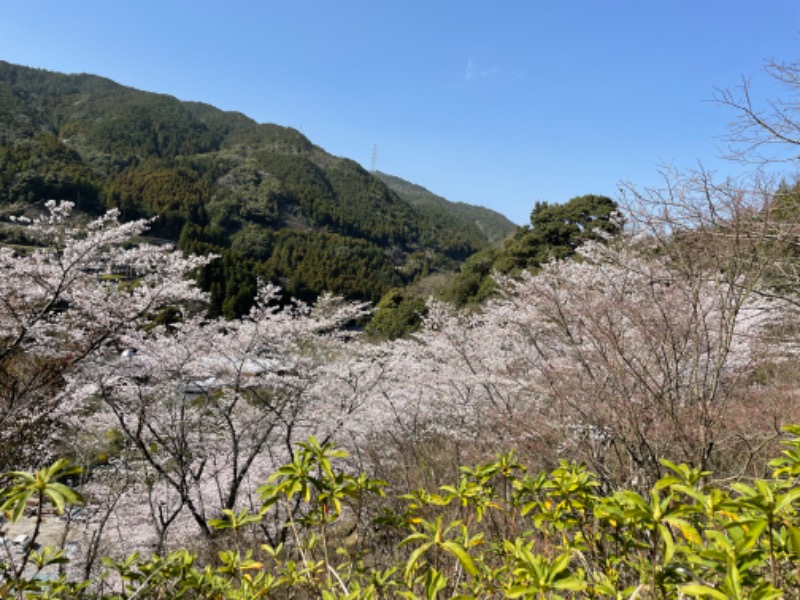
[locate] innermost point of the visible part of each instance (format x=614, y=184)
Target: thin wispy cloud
x=474, y=71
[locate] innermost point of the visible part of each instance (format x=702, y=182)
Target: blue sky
x=499, y=103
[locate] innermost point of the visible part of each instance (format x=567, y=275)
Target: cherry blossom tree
x=647, y=347
x=634, y=361
x=177, y=421
x=65, y=301
x=211, y=408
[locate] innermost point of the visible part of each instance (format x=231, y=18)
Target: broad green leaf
x=687, y=530
x=414, y=558
x=459, y=552
x=787, y=499
x=573, y=583
x=794, y=538
x=669, y=543
x=701, y=591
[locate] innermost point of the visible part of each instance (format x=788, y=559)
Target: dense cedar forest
x=267, y=200
x=342, y=386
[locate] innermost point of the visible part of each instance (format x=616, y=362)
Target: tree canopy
x=555, y=232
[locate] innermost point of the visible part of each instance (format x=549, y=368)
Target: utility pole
x=374, y=157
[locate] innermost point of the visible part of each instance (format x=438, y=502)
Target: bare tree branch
x=767, y=133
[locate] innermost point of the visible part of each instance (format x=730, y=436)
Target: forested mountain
x=478, y=222
x=556, y=231
x=262, y=196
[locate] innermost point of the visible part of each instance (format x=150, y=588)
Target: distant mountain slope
x=263, y=196
x=482, y=222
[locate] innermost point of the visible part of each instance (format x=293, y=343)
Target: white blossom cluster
x=619, y=358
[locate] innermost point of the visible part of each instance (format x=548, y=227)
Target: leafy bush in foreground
x=500, y=532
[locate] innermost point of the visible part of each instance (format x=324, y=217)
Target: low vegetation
x=499, y=532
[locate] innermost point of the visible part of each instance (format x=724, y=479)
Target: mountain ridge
x=271, y=202
x=494, y=225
